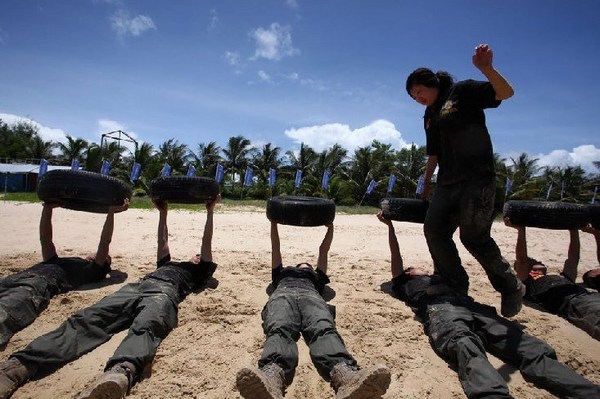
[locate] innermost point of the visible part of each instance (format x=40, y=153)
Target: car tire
x=82, y=190
x=301, y=211
x=184, y=189
x=547, y=215
x=404, y=209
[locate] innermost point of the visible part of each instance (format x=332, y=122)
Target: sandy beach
x=219, y=328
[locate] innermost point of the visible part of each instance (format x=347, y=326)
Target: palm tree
x=175, y=154
x=74, y=148
x=207, y=158
x=523, y=171
x=236, y=152
x=38, y=148
x=265, y=159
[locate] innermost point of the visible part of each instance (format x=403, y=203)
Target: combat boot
x=13, y=374
x=261, y=383
x=352, y=383
x=113, y=384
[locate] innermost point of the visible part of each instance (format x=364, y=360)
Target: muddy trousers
x=148, y=308
x=294, y=311
x=584, y=311
x=461, y=335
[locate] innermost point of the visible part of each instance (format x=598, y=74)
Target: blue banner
x=298, y=178
x=371, y=186
x=508, y=185
x=272, y=177
x=75, y=164
x=391, y=183
x=549, y=191
x=248, y=176
x=135, y=171
x=421, y=184
x=105, y=168
x=219, y=173
x=43, y=168
x=325, y=180
x=191, y=170
x=166, y=170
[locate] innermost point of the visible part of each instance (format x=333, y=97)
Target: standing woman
x=459, y=143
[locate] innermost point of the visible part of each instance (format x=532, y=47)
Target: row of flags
x=248, y=176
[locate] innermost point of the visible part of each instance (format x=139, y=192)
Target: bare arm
x=46, y=240
x=324, y=249
x=429, y=169
x=596, y=234
x=275, y=247
x=162, y=248
x=206, y=249
x=570, y=267
x=107, y=232
x=482, y=60
x=397, y=265
x=521, y=263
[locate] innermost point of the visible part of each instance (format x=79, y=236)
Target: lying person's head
x=591, y=278
x=304, y=265
x=536, y=267
x=107, y=262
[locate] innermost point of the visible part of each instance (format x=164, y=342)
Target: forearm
x=501, y=86
x=46, y=234
x=324, y=250
x=570, y=267
x=275, y=247
x=429, y=169
x=105, y=238
x=206, y=249
x=521, y=264
x=397, y=266
x=162, y=248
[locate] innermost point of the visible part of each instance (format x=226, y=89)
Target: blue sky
x=291, y=71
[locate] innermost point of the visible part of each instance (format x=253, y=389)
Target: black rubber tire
x=184, y=189
x=404, y=209
x=547, y=215
x=301, y=211
x=82, y=190
x=594, y=216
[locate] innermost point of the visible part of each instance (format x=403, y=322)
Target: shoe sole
x=252, y=386
x=372, y=386
x=104, y=390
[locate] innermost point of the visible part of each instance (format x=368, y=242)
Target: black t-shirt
x=291, y=275
x=550, y=291
x=456, y=132
x=186, y=276
x=413, y=291
x=67, y=273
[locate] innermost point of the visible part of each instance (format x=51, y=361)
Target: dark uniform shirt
x=456, y=132
x=293, y=276
x=551, y=291
x=186, y=276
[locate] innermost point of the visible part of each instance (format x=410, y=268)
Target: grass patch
x=144, y=202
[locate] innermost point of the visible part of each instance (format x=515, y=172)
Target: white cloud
x=122, y=24
x=232, y=58
x=291, y=3
x=263, y=76
x=273, y=43
x=584, y=155
x=214, y=20
x=45, y=132
x=324, y=136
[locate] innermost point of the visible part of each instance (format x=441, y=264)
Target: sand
x=219, y=329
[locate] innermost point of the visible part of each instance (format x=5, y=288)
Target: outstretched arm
x=570, y=267
x=324, y=249
x=482, y=60
x=596, y=234
x=206, y=249
x=46, y=241
x=107, y=232
x=275, y=247
x=521, y=263
x=162, y=249
x=396, y=258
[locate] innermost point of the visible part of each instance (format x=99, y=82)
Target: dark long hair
x=425, y=76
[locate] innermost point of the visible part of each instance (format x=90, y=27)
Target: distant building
x=19, y=177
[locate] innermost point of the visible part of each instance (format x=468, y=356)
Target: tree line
x=350, y=173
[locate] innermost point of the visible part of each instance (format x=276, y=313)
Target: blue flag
x=549, y=191
x=43, y=168
x=248, y=176
x=325, y=180
x=75, y=164
x=371, y=186
x=166, y=170
x=191, y=170
x=272, y=177
x=135, y=171
x=298, y=178
x=219, y=173
x=594, y=197
x=105, y=168
x=508, y=185
x=420, y=184
x=391, y=183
